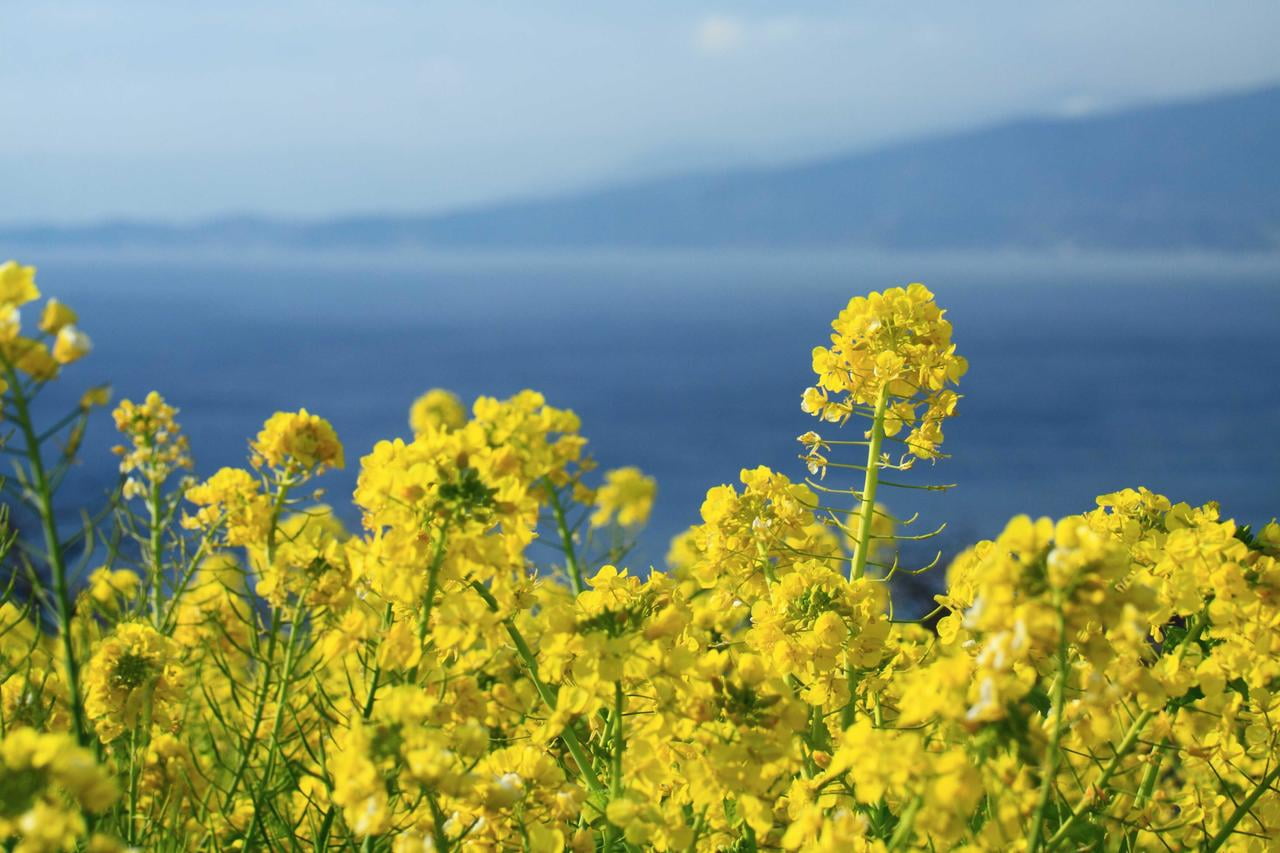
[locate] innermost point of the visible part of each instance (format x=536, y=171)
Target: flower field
x=220, y=664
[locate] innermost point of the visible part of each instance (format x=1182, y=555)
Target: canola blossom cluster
x=223, y=664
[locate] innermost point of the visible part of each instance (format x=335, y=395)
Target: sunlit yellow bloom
x=70, y=344
x=309, y=561
x=894, y=346
x=436, y=409
x=231, y=501
x=17, y=284
x=99, y=395
x=157, y=445
x=56, y=316
x=298, y=440
x=109, y=587
x=627, y=495
x=134, y=672
x=33, y=358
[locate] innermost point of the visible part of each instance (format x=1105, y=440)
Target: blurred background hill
x=1197, y=174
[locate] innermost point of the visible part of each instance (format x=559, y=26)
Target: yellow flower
x=134, y=671
x=47, y=782
x=232, y=497
x=17, y=284
x=99, y=395
x=33, y=359
x=70, y=345
x=158, y=446
x=436, y=409
x=309, y=561
x=896, y=344
x=56, y=316
x=627, y=494
x=109, y=588
x=299, y=441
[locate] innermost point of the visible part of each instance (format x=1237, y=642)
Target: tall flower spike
x=891, y=359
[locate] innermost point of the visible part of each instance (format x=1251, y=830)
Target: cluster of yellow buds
x=157, y=447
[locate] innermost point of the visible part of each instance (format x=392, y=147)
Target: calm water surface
x=1086, y=375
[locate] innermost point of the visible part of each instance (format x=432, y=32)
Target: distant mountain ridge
x=1189, y=175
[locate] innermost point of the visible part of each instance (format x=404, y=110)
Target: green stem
x=438, y=821
x=847, y=712
x=156, y=554
x=277, y=506
x=260, y=705
x=1053, y=754
x=619, y=743
x=53, y=547
x=566, y=539
x=866, y=513
x=906, y=825
x=568, y=736
x=366, y=712
x=273, y=746
x=259, y=709
x=131, y=820
x=1153, y=773
x=1243, y=809
x=1123, y=748
x=429, y=601
x=1147, y=785
x=870, y=482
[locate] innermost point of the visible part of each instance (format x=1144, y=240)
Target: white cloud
x=1078, y=106
x=719, y=34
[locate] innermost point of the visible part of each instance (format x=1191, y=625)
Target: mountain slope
x=1195, y=174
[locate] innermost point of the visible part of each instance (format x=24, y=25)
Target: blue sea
x=1087, y=373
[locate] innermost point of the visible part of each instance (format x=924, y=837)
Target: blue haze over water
x=1087, y=374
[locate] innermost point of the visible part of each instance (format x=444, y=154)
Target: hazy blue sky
x=157, y=108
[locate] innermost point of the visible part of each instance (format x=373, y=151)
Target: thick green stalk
x=866, y=514
x=277, y=506
x=366, y=711
x=1149, y=778
x=1153, y=772
x=53, y=547
x=870, y=482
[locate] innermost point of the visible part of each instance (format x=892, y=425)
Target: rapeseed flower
x=259, y=676
x=135, y=676
x=627, y=495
